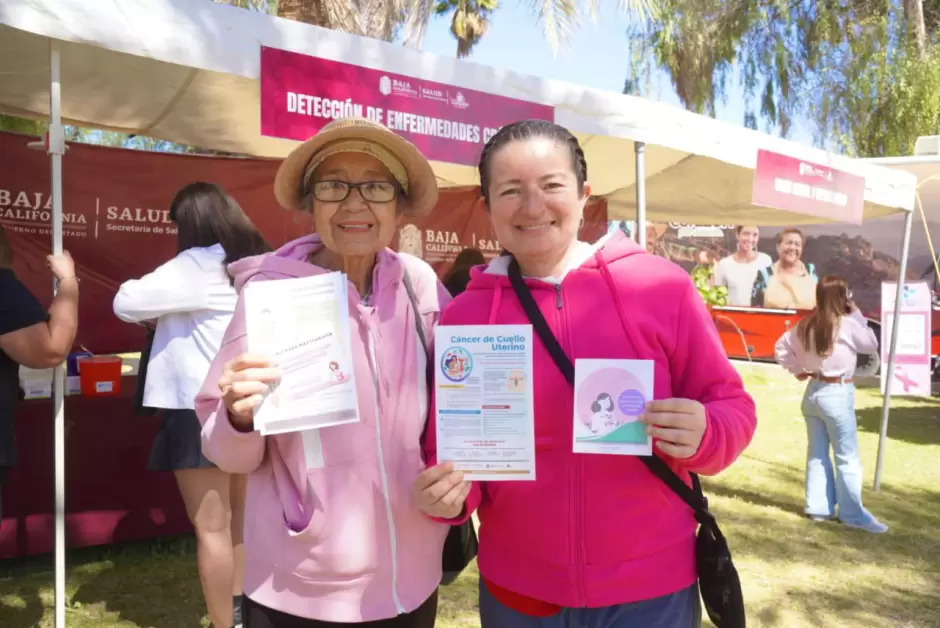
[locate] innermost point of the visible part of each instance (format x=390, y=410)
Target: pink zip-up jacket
x=598, y=530
x=345, y=540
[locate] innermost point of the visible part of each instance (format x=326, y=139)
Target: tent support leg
x=56, y=148
x=640, y=149
x=892, y=348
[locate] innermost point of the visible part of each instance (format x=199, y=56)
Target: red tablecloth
x=110, y=494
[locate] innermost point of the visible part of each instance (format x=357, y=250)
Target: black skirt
x=178, y=444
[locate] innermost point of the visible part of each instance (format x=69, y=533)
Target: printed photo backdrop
x=864, y=255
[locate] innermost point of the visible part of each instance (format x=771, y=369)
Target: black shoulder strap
x=694, y=496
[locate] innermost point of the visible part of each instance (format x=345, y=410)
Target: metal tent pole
x=56, y=140
x=893, y=346
x=639, y=149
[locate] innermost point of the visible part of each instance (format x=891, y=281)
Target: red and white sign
x=791, y=184
x=300, y=94
x=912, y=358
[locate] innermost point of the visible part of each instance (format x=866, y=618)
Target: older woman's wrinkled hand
x=677, y=426
x=440, y=491
x=244, y=383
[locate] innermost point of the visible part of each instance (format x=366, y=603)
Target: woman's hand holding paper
x=440, y=491
x=676, y=425
x=244, y=383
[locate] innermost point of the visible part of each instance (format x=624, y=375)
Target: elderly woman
x=596, y=539
x=339, y=540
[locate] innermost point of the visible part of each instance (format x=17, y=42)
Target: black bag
x=718, y=579
x=460, y=547
x=139, y=408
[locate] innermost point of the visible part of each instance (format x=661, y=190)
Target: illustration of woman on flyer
x=602, y=413
x=338, y=374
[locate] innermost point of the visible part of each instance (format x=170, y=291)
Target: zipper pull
x=558, y=295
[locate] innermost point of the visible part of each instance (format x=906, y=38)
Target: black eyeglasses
x=333, y=191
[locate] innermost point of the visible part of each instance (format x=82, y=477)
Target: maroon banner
x=117, y=227
x=784, y=182
x=300, y=94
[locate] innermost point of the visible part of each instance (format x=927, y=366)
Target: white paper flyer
x=485, y=416
x=303, y=324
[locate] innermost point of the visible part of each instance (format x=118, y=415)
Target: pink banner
x=784, y=182
x=300, y=94
x=912, y=368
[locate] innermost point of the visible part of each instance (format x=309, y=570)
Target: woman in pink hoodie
x=596, y=540
x=333, y=535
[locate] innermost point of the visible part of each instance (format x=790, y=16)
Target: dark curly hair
x=530, y=129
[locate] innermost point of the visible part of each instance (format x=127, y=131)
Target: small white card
x=609, y=398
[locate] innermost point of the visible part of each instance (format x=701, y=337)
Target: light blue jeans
x=829, y=410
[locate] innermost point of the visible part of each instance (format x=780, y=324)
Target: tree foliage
x=25, y=126
x=559, y=19
x=470, y=20
x=408, y=20
x=864, y=73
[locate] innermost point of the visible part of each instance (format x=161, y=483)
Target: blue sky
x=597, y=55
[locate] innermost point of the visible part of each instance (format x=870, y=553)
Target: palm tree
x=379, y=19
x=471, y=18
x=469, y=22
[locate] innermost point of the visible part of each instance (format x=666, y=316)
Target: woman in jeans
x=823, y=348
x=595, y=540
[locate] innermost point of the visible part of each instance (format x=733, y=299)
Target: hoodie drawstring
x=494, y=307
x=618, y=305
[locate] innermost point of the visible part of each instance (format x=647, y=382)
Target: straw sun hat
x=412, y=170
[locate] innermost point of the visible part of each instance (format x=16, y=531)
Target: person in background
x=554, y=552
x=788, y=283
x=823, y=348
x=192, y=299
x=458, y=276
x=30, y=336
x=738, y=271
x=335, y=537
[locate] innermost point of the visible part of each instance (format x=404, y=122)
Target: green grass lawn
x=796, y=573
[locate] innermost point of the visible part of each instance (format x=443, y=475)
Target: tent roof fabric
x=189, y=72
x=927, y=171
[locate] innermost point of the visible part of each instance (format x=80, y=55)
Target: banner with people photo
x=778, y=267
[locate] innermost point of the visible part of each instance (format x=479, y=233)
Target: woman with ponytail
x=595, y=539
x=823, y=348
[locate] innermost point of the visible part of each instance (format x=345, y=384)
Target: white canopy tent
x=188, y=71
x=925, y=165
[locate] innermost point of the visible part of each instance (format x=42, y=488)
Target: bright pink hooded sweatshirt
x=345, y=540
x=598, y=530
